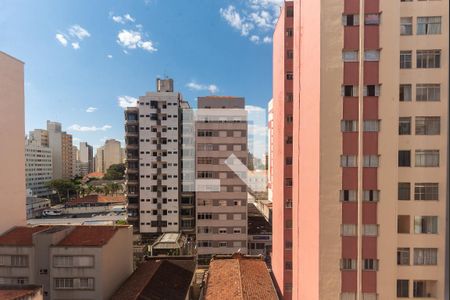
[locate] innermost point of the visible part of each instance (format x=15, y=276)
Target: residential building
x=269, y=157
x=38, y=169
x=76, y=164
x=159, y=278
x=12, y=128
x=109, y=154
x=86, y=158
x=153, y=165
x=370, y=150
x=60, y=144
x=259, y=233
x=70, y=262
x=282, y=148
x=221, y=184
x=36, y=206
x=240, y=277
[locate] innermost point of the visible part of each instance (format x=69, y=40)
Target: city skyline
x=116, y=51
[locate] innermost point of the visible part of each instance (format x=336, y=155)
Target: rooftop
x=158, y=279
x=257, y=223
x=20, y=235
x=239, y=277
x=97, y=199
x=169, y=241
x=19, y=292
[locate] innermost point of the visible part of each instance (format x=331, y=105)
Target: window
x=370, y=264
x=236, y=230
x=404, y=191
x=86, y=283
x=348, y=296
x=349, y=125
x=349, y=56
x=405, y=92
x=406, y=26
x=204, y=216
x=371, y=195
x=405, y=59
x=404, y=126
x=350, y=20
x=288, y=203
x=428, y=25
x=289, y=76
x=403, y=256
x=289, y=97
x=428, y=92
x=290, y=12
x=348, y=161
x=64, y=283
x=289, y=118
x=372, y=55
x=348, y=264
x=425, y=224
x=288, y=182
x=371, y=161
x=288, y=265
x=288, y=224
x=223, y=244
x=349, y=90
x=425, y=256
x=289, y=32
x=427, y=158
x=289, y=140
x=371, y=90
x=222, y=230
x=348, y=229
x=402, y=288
x=424, y=289
x=372, y=126
x=73, y=261
x=288, y=161
x=14, y=260
x=290, y=54
x=370, y=230
x=403, y=224
x=348, y=195
x=404, y=158
x=428, y=125
x=428, y=59
x=426, y=191
x=372, y=19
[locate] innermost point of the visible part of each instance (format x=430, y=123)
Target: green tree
x=115, y=172
x=62, y=187
x=115, y=187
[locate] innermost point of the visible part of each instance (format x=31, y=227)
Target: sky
x=85, y=60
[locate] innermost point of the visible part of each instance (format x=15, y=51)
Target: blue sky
x=82, y=57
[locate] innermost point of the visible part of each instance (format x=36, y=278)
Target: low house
x=93, y=204
x=21, y=292
x=169, y=244
x=36, y=206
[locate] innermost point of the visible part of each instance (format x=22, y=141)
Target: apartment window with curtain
x=349, y=161
x=404, y=126
x=426, y=191
x=371, y=90
x=405, y=92
x=406, y=26
x=372, y=55
x=348, y=195
x=428, y=92
x=428, y=25
x=349, y=125
x=405, y=59
x=371, y=161
x=404, y=191
x=402, y=288
x=348, y=229
x=403, y=256
x=350, y=20
x=370, y=264
x=371, y=195
x=428, y=125
x=371, y=125
x=350, y=56
x=426, y=224
x=348, y=264
x=370, y=230
x=427, y=158
x=428, y=59
x=349, y=91
x=372, y=19
x=425, y=256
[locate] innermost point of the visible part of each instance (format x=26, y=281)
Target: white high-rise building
x=38, y=169
x=86, y=158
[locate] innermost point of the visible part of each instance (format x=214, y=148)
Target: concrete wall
x=12, y=132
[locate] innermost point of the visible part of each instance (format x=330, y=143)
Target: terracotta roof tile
x=239, y=277
x=20, y=235
x=85, y=236
x=18, y=292
x=97, y=199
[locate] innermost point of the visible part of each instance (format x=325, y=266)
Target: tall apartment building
x=221, y=193
x=109, y=154
x=76, y=164
x=152, y=164
x=86, y=158
x=12, y=158
x=269, y=156
x=38, y=169
x=370, y=150
x=60, y=143
x=69, y=262
x=282, y=127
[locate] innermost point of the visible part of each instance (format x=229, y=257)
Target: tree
x=114, y=187
x=62, y=187
x=115, y=172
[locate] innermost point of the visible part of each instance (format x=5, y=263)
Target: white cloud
x=76, y=45
x=123, y=19
x=254, y=39
x=267, y=40
x=131, y=39
x=91, y=109
x=253, y=17
x=109, y=56
x=194, y=86
x=78, y=32
x=76, y=127
x=254, y=108
x=61, y=39
x=126, y=101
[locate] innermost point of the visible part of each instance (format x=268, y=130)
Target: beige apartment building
x=370, y=149
x=12, y=158
x=70, y=262
x=110, y=153
x=221, y=193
